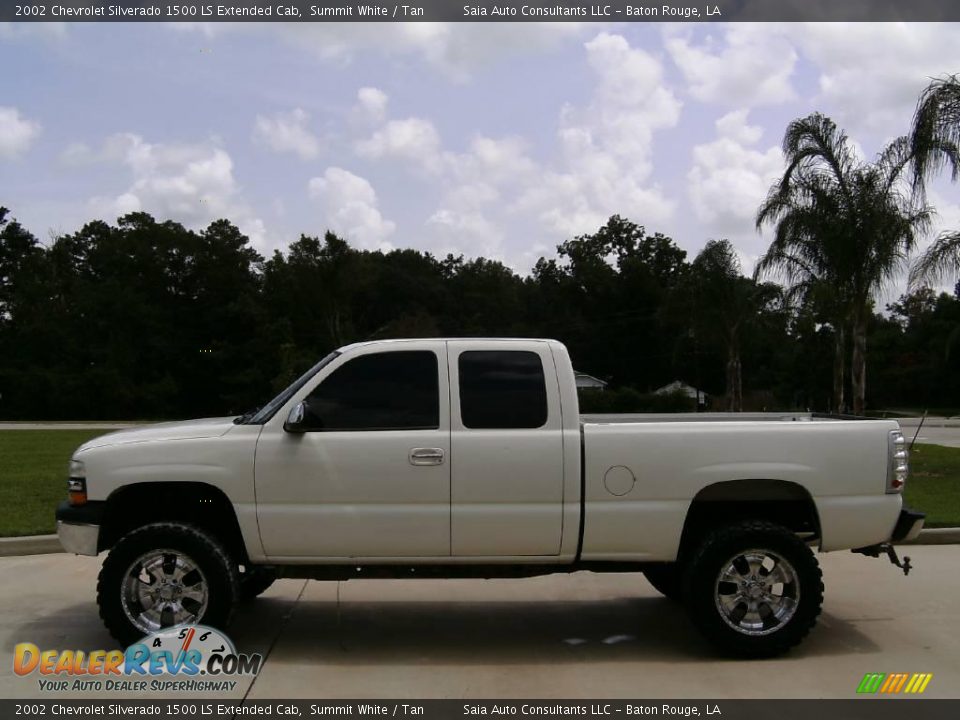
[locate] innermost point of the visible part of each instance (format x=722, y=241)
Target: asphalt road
x=580, y=635
x=932, y=435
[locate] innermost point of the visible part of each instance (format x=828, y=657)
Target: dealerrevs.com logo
x=182, y=658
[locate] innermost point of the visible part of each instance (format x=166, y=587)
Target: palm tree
x=934, y=141
x=802, y=256
x=842, y=227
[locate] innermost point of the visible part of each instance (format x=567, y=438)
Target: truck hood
x=184, y=430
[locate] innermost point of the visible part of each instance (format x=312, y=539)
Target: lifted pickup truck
x=468, y=458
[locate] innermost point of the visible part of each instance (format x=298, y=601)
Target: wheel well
x=198, y=504
x=778, y=501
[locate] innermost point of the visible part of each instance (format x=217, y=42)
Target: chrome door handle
x=426, y=456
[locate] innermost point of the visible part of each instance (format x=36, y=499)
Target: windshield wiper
x=241, y=419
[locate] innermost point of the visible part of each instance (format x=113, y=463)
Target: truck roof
x=365, y=343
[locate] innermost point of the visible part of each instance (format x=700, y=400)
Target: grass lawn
x=934, y=484
x=33, y=479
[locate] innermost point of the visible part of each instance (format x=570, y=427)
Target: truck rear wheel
x=165, y=574
x=667, y=579
x=753, y=589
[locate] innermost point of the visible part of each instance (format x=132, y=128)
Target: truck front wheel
x=753, y=589
x=165, y=574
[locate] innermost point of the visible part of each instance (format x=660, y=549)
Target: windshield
x=268, y=410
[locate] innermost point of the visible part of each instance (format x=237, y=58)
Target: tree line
x=145, y=318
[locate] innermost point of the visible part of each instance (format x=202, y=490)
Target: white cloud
x=465, y=232
x=350, y=208
x=372, y=104
x=750, y=65
x=603, y=164
x=413, y=139
x=17, y=133
x=870, y=74
x=287, y=132
x=191, y=183
x=470, y=217
x=729, y=180
x=606, y=146
x=456, y=50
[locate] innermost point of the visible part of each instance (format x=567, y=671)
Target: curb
x=936, y=536
x=30, y=545
x=48, y=544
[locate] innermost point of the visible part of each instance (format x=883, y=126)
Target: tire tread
x=759, y=646
x=116, y=563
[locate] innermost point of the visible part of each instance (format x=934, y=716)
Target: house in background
x=678, y=386
x=585, y=381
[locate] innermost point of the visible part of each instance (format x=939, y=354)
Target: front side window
x=502, y=389
x=381, y=391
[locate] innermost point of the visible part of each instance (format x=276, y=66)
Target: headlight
x=77, y=483
x=898, y=465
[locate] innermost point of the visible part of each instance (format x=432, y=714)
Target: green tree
x=723, y=304
x=851, y=223
x=805, y=241
x=934, y=142
x=604, y=296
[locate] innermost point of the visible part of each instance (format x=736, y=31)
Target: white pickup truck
x=468, y=458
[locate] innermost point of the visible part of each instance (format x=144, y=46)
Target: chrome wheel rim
x=757, y=592
x=163, y=588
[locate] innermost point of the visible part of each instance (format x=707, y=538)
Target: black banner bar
x=482, y=11
x=873, y=708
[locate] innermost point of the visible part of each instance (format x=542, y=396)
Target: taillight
x=898, y=465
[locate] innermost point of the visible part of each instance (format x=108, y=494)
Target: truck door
x=371, y=479
x=506, y=440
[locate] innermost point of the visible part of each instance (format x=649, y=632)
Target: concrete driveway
x=564, y=636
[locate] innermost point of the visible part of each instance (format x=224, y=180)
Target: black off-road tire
x=667, y=579
x=700, y=587
x=220, y=572
x=254, y=580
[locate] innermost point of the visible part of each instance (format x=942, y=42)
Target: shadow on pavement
x=425, y=632
x=456, y=632
x=254, y=627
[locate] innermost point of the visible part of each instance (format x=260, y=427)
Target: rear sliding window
x=503, y=389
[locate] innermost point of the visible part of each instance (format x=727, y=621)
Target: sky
x=496, y=140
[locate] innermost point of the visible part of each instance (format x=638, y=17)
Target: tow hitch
x=876, y=550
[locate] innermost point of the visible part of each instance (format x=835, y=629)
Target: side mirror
x=294, y=422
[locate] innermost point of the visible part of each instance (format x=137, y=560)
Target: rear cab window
x=502, y=389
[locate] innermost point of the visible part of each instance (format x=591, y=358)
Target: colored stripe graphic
x=871, y=682
x=918, y=683
x=893, y=683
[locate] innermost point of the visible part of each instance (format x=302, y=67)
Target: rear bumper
x=909, y=524
x=78, y=527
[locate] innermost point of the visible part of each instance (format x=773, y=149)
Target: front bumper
x=78, y=527
x=909, y=524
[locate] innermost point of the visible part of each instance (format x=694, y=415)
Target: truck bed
x=642, y=470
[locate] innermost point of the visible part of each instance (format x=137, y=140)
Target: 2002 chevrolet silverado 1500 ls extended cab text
x=468, y=458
